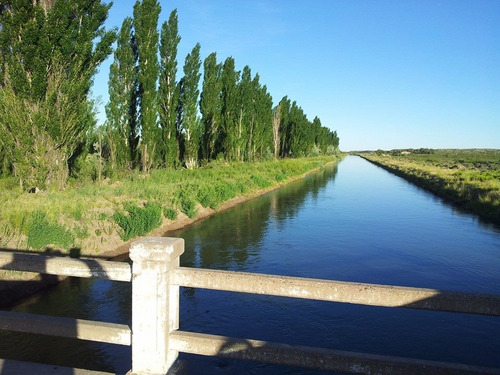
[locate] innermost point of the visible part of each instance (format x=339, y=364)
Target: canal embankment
x=469, y=179
x=101, y=220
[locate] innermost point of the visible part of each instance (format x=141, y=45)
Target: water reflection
x=233, y=239
x=291, y=199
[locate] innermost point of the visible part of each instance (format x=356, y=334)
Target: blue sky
x=384, y=73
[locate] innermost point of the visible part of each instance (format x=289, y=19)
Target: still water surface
x=351, y=222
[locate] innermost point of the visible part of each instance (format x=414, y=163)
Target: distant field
x=467, y=178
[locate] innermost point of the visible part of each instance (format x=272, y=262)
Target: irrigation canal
x=351, y=222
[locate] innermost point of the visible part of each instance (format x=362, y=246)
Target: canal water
x=351, y=222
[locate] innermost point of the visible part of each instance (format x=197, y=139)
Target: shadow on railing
x=332, y=291
x=41, y=274
x=155, y=336
x=13, y=288
x=49, y=266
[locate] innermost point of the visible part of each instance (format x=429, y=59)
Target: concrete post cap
x=158, y=249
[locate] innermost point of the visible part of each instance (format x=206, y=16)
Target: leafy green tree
x=264, y=117
x=285, y=127
x=146, y=13
x=122, y=128
x=50, y=51
x=4, y=167
x=253, y=102
x=316, y=128
x=325, y=139
x=210, y=106
x=229, y=111
x=168, y=90
x=302, y=136
x=333, y=143
x=245, y=105
x=190, y=121
x=276, y=130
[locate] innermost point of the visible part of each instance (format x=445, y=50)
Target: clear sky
x=385, y=74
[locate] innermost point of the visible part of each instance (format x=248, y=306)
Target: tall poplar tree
x=263, y=135
x=276, y=130
x=285, y=127
x=146, y=13
x=210, y=107
x=50, y=51
x=301, y=132
x=229, y=108
x=316, y=128
x=252, y=91
x=121, y=111
x=190, y=121
x=168, y=90
x=245, y=101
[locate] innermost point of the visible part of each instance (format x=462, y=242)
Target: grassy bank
x=468, y=178
x=98, y=217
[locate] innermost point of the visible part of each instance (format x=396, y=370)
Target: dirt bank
x=182, y=221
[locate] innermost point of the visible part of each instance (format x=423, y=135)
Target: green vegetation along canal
x=351, y=222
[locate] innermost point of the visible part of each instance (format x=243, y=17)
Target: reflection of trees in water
x=288, y=201
x=227, y=240
x=233, y=239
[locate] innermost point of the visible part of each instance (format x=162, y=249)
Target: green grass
x=43, y=233
x=135, y=204
x=170, y=213
x=138, y=221
x=468, y=178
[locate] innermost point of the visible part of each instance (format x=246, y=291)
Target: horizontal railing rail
x=338, y=291
x=155, y=337
x=332, y=291
x=315, y=358
x=110, y=333
x=63, y=266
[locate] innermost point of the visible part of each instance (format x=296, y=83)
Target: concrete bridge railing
x=155, y=337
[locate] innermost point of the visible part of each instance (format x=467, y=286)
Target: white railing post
x=155, y=303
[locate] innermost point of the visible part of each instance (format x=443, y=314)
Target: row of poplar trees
x=164, y=122
x=50, y=52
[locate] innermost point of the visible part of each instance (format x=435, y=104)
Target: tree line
x=156, y=118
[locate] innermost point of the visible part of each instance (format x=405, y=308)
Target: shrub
x=138, y=221
x=88, y=167
x=188, y=205
x=331, y=150
x=170, y=213
x=187, y=201
x=42, y=233
x=224, y=192
x=205, y=196
x=315, y=150
x=78, y=212
x=213, y=196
